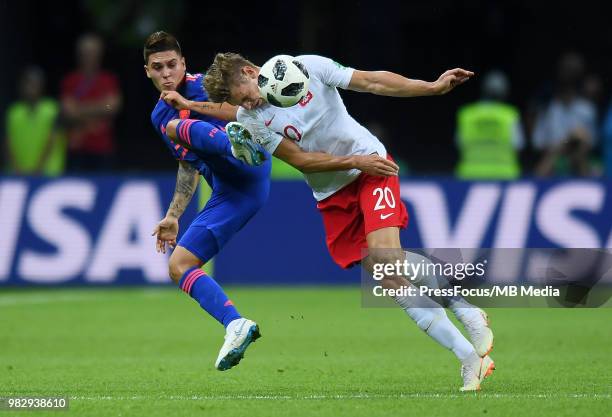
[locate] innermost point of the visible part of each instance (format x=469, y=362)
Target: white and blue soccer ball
x=283, y=81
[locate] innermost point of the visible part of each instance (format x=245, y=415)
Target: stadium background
x=522, y=39
x=420, y=40
x=85, y=228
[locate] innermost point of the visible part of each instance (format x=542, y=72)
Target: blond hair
x=222, y=74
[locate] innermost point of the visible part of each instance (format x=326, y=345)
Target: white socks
x=464, y=311
x=433, y=321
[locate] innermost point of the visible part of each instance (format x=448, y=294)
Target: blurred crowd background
x=74, y=97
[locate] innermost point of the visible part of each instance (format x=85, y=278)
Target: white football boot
x=239, y=334
x=476, y=324
x=474, y=370
x=243, y=146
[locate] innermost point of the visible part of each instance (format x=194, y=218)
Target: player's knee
x=385, y=243
x=177, y=268
x=171, y=127
x=385, y=256
x=175, y=272
x=386, y=260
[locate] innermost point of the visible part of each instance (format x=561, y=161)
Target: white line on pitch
x=12, y=300
x=331, y=396
x=90, y=295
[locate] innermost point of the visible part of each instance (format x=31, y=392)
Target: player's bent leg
x=199, y=136
x=180, y=261
x=202, y=287
x=384, y=247
x=171, y=130
x=200, y=243
x=240, y=332
x=474, y=320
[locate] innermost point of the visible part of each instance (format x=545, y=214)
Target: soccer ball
x=283, y=81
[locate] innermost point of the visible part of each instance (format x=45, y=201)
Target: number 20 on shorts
x=383, y=194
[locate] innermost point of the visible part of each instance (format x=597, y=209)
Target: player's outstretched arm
x=186, y=184
x=386, y=83
x=310, y=162
x=223, y=111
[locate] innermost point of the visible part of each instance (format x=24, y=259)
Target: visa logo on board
x=47, y=234
x=567, y=214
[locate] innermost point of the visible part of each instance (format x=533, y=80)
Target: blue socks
x=209, y=295
x=203, y=137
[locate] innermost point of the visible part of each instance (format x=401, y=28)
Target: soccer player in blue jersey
x=197, y=139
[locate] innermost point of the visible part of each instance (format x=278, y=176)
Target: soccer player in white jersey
x=353, y=178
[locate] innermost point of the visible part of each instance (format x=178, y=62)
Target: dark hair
x=160, y=42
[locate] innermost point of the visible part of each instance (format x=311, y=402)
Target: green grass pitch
x=150, y=352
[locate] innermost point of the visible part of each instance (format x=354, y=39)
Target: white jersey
x=319, y=123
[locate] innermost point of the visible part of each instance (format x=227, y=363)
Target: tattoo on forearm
x=185, y=188
x=208, y=106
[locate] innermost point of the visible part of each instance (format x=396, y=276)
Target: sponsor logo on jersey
x=305, y=100
x=267, y=122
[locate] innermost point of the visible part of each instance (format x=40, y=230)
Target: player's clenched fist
x=166, y=232
x=375, y=165
x=175, y=100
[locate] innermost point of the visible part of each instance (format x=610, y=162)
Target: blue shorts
x=228, y=210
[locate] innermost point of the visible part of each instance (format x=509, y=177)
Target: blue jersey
x=238, y=190
x=212, y=167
